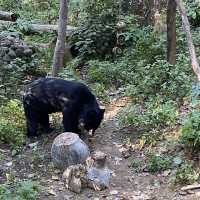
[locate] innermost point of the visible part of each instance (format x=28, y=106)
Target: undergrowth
x=12, y=124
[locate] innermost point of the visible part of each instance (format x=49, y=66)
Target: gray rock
x=13, y=47
x=19, y=52
x=3, y=51
x=12, y=54
x=28, y=52
x=6, y=58
x=11, y=38
x=6, y=43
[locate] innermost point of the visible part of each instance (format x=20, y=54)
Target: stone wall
x=12, y=47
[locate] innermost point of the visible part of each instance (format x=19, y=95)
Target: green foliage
x=104, y=10
x=152, y=117
x=157, y=163
x=172, y=82
x=96, y=35
x=37, y=10
x=136, y=165
x=109, y=74
x=143, y=70
x=12, y=124
x=10, y=5
x=193, y=12
x=14, y=75
x=100, y=91
x=94, y=39
x=191, y=131
x=26, y=190
x=185, y=174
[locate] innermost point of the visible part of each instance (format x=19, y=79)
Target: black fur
x=73, y=99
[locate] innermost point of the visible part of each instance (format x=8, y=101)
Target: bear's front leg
x=32, y=122
x=70, y=119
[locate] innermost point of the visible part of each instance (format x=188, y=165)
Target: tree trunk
x=186, y=25
x=171, y=32
x=8, y=16
x=58, y=58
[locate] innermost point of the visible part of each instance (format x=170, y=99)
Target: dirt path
x=124, y=183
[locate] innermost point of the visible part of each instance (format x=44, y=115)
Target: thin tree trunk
x=186, y=25
x=171, y=32
x=58, y=58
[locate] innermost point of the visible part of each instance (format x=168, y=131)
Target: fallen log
x=38, y=28
x=8, y=16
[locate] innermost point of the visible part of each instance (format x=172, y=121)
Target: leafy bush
x=12, y=124
x=172, y=82
x=26, y=190
x=109, y=74
x=193, y=12
x=154, y=116
x=157, y=163
x=186, y=175
x=13, y=75
x=191, y=130
x=94, y=39
x=143, y=70
x=136, y=165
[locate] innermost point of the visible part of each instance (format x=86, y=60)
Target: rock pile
x=12, y=47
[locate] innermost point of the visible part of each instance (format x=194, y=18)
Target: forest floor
x=126, y=183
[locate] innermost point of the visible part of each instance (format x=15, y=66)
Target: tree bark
x=171, y=32
x=8, y=16
x=37, y=28
x=58, y=58
x=186, y=26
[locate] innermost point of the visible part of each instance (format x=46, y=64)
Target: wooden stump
x=68, y=149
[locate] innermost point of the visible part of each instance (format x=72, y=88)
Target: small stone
x=190, y=192
x=12, y=54
x=183, y=193
x=13, y=47
x=67, y=197
x=114, y=192
x=33, y=145
x=19, y=52
x=28, y=52
x=9, y=164
x=89, y=195
x=55, y=178
x=117, y=160
x=31, y=175
x=166, y=173
x=7, y=58
x=51, y=192
x=57, y=171
x=104, y=196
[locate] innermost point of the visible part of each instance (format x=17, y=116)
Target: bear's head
x=90, y=119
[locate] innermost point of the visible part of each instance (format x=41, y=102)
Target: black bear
x=76, y=102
